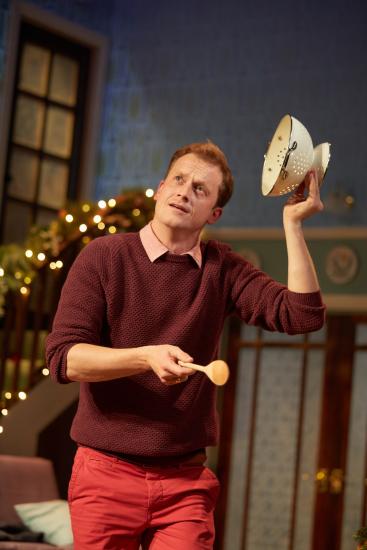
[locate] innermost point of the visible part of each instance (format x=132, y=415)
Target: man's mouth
x=179, y=207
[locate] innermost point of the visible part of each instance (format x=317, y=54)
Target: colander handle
x=284, y=172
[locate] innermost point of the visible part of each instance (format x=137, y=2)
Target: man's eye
x=178, y=178
x=200, y=188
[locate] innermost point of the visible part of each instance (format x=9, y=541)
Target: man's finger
x=174, y=380
x=182, y=356
x=313, y=188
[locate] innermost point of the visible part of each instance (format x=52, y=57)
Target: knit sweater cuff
x=310, y=299
x=60, y=375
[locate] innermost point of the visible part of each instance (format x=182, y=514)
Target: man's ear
x=161, y=183
x=215, y=215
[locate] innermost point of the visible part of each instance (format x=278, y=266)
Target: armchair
x=24, y=480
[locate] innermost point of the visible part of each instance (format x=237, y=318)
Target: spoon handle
x=193, y=366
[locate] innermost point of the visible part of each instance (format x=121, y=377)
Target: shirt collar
x=155, y=248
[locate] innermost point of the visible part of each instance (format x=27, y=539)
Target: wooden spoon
x=217, y=371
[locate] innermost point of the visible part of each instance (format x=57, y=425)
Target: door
x=292, y=457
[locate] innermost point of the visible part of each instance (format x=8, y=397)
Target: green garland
x=361, y=537
x=19, y=264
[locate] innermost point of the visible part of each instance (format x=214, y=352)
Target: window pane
x=34, y=70
x=309, y=449
x=23, y=174
x=275, y=447
x=269, y=336
x=53, y=183
x=59, y=132
x=319, y=336
x=64, y=80
x=240, y=450
x=361, y=335
x=29, y=120
x=249, y=333
x=45, y=217
x=17, y=221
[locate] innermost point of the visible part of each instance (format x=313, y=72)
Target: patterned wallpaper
x=180, y=72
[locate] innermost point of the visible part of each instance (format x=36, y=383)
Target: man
x=132, y=307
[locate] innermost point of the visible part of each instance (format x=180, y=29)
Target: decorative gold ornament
x=341, y=265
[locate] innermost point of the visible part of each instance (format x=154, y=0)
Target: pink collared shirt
x=154, y=248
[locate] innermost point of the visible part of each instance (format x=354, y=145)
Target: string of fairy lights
x=19, y=265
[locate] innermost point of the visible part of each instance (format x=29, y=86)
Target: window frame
x=97, y=45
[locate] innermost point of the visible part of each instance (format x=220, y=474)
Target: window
x=46, y=129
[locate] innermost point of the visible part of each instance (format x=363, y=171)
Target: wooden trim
x=97, y=44
x=251, y=450
x=333, y=444
x=227, y=423
x=346, y=303
x=335, y=303
x=6, y=100
x=364, y=507
x=261, y=233
x=92, y=119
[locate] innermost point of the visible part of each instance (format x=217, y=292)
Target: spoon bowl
x=217, y=371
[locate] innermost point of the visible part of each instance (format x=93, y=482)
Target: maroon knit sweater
x=115, y=296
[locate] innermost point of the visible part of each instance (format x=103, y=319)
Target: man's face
x=187, y=198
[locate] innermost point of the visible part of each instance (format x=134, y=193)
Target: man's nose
x=184, y=190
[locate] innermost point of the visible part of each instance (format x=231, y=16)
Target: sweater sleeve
x=81, y=309
x=259, y=300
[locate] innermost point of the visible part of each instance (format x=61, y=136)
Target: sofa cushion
x=52, y=518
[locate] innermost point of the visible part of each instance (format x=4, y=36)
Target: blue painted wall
x=228, y=71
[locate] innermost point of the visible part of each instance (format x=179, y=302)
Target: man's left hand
x=299, y=207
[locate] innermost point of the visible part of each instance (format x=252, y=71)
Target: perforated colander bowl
x=290, y=156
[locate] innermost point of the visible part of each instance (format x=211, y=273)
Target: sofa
x=30, y=480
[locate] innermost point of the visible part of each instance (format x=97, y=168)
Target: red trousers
x=116, y=505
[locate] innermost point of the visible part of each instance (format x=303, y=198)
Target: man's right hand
x=163, y=360
x=91, y=363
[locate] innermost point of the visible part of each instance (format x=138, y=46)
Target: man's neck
x=177, y=241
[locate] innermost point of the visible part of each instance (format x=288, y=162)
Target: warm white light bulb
x=45, y=372
x=41, y=256
x=111, y=203
x=97, y=218
x=29, y=253
x=149, y=193
x=82, y=228
x=69, y=218
x=102, y=204
x=22, y=395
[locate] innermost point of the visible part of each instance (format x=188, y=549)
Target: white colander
x=290, y=156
